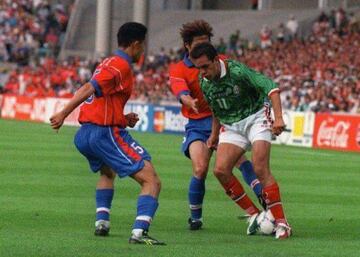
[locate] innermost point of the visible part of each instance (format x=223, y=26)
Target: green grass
x=47, y=202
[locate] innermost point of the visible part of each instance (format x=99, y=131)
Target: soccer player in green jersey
x=185, y=85
x=242, y=122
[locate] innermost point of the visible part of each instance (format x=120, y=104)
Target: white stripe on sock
x=103, y=209
x=254, y=183
x=274, y=204
x=144, y=218
x=240, y=197
x=195, y=206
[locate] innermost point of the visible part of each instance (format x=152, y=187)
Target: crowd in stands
x=31, y=29
x=320, y=73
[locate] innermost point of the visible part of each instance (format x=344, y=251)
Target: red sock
x=236, y=192
x=271, y=195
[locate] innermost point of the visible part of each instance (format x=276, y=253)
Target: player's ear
x=136, y=43
x=187, y=47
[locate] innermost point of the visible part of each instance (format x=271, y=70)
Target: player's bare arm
x=278, y=125
x=57, y=120
x=190, y=102
x=213, y=140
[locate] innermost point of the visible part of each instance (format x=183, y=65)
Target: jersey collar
x=222, y=69
x=123, y=55
x=187, y=61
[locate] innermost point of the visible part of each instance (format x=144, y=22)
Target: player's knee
x=157, y=183
x=154, y=182
x=200, y=171
x=220, y=172
x=262, y=172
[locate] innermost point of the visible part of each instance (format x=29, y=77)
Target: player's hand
x=57, y=120
x=212, y=142
x=190, y=102
x=194, y=105
x=131, y=119
x=278, y=126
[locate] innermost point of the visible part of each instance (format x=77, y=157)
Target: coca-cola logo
x=333, y=134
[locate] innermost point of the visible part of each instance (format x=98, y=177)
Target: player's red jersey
x=113, y=83
x=184, y=80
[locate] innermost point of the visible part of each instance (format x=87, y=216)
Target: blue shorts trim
x=196, y=130
x=110, y=146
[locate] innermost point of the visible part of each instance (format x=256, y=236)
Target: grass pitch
x=47, y=202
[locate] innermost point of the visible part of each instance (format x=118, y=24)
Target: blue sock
x=250, y=178
x=146, y=208
x=103, y=204
x=196, y=197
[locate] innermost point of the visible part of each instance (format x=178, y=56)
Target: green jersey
x=239, y=93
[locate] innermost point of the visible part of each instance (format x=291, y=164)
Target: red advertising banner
x=336, y=131
x=35, y=109
x=17, y=107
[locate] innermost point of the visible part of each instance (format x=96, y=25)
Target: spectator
x=265, y=37
x=292, y=25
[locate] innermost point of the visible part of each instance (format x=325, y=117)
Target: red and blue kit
x=184, y=80
x=102, y=138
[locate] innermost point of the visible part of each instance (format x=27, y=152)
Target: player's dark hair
x=130, y=32
x=194, y=29
x=204, y=49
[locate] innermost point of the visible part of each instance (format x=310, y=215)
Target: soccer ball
x=266, y=222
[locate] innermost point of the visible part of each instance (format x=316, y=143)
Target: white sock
x=137, y=232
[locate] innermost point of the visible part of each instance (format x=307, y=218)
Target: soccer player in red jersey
x=103, y=139
x=184, y=80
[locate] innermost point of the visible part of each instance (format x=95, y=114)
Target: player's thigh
x=200, y=157
x=191, y=136
x=260, y=137
x=147, y=175
x=227, y=155
x=241, y=160
x=231, y=148
x=261, y=157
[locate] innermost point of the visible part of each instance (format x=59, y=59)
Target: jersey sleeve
x=105, y=79
x=178, y=84
x=258, y=80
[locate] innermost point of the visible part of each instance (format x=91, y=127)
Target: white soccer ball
x=266, y=222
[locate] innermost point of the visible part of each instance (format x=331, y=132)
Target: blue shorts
x=110, y=146
x=196, y=130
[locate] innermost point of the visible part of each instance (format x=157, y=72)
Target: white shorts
x=245, y=132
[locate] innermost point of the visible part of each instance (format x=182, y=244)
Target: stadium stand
x=324, y=78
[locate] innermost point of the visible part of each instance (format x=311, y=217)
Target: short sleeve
x=105, y=79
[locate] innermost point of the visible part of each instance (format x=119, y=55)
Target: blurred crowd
x=31, y=29
x=319, y=73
